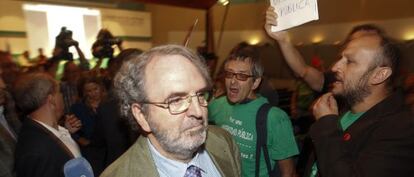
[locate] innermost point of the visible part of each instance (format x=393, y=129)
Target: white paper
x=293, y=13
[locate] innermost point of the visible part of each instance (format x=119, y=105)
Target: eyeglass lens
x=239, y=76
x=183, y=103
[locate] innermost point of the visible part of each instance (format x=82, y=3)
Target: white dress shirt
x=64, y=135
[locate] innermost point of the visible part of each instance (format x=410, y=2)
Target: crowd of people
x=160, y=113
x=46, y=121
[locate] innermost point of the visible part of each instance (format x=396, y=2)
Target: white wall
x=128, y=24
x=131, y=24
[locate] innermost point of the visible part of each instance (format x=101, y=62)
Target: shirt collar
x=169, y=166
x=61, y=131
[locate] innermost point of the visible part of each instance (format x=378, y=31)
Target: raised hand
x=271, y=20
x=72, y=123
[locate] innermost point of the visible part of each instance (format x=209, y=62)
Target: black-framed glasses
x=179, y=105
x=239, y=76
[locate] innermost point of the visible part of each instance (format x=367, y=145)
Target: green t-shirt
x=347, y=120
x=240, y=121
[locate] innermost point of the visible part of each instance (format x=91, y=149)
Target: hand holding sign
x=271, y=21
x=292, y=13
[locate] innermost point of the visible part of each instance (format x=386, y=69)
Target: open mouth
x=337, y=82
x=233, y=91
x=338, y=79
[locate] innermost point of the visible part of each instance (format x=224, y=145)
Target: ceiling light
x=409, y=35
x=317, y=39
x=254, y=40
x=224, y=2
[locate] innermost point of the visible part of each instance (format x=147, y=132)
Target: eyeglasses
x=239, y=76
x=179, y=105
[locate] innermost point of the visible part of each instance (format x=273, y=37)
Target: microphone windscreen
x=78, y=167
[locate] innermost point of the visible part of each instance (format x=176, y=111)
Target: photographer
x=61, y=51
x=104, y=44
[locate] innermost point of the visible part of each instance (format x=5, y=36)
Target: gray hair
x=130, y=81
x=31, y=91
x=249, y=53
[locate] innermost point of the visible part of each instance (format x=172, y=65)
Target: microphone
x=78, y=167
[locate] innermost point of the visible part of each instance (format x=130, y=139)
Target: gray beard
x=174, y=146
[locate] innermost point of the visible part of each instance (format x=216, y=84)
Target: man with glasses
x=164, y=92
x=237, y=113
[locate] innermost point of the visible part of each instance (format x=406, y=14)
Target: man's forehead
x=173, y=73
x=163, y=64
x=369, y=42
x=239, y=65
x=361, y=33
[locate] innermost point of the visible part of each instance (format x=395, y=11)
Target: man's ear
x=50, y=100
x=256, y=83
x=139, y=117
x=381, y=75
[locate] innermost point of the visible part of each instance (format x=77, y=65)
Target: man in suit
x=43, y=147
x=165, y=92
x=9, y=127
x=376, y=136
x=318, y=81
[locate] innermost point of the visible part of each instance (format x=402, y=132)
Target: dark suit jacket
x=379, y=144
x=110, y=138
x=137, y=161
x=7, y=142
x=39, y=153
x=7, y=147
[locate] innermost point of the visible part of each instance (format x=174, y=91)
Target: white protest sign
x=293, y=13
